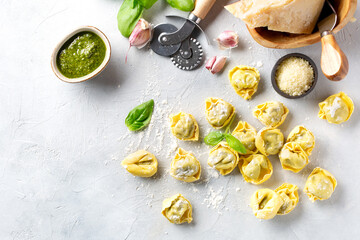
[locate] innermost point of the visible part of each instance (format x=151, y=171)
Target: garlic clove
x=210, y=63
x=227, y=40
x=215, y=64
x=141, y=34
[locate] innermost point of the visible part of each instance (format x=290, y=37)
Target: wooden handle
x=334, y=63
x=202, y=8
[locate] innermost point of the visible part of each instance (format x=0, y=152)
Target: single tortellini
x=265, y=203
x=255, y=168
x=289, y=194
x=246, y=135
x=320, y=185
x=185, y=167
x=184, y=126
x=177, y=209
x=269, y=141
x=271, y=114
x=141, y=163
x=218, y=112
x=337, y=108
x=223, y=158
x=304, y=137
x=293, y=157
x=245, y=80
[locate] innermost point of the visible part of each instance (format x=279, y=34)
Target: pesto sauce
x=81, y=55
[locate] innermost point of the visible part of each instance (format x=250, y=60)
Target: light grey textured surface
x=61, y=144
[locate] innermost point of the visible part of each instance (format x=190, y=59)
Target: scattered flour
x=259, y=64
x=215, y=199
x=213, y=173
x=194, y=189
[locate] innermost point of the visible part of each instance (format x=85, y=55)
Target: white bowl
x=93, y=73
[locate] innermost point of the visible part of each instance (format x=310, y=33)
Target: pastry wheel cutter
x=185, y=51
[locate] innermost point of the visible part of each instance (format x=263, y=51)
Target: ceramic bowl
x=96, y=71
x=273, y=74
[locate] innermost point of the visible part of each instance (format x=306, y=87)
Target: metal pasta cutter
x=185, y=51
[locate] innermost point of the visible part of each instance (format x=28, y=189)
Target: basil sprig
x=234, y=143
x=183, y=5
x=147, y=3
x=140, y=116
x=128, y=16
x=213, y=138
x=131, y=10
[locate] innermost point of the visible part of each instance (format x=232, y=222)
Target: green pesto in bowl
x=81, y=55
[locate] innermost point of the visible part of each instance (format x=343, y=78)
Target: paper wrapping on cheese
x=293, y=16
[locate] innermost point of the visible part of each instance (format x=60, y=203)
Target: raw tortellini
x=218, y=112
x=269, y=141
x=289, y=194
x=246, y=135
x=337, y=108
x=265, y=203
x=177, y=209
x=271, y=114
x=223, y=158
x=185, y=167
x=141, y=163
x=245, y=80
x=255, y=168
x=184, y=126
x=303, y=137
x=320, y=184
x=293, y=157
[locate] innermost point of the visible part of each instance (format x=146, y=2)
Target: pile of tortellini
x=254, y=165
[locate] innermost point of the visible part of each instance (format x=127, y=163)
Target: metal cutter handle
x=202, y=7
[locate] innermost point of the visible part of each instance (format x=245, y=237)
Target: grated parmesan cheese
x=294, y=76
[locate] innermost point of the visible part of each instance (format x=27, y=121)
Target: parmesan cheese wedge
x=293, y=16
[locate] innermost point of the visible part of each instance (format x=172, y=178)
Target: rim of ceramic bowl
x=273, y=74
x=93, y=73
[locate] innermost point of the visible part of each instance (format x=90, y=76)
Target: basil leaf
x=183, y=5
x=147, y=3
x=227, y=130
x=213, y=138
x=128, y=16
x=235, y=144
x=140, y=116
